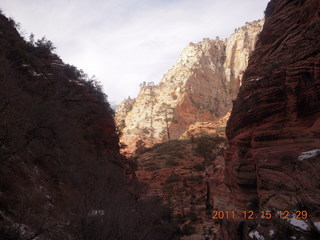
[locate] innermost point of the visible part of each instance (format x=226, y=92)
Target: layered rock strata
x=274, y=129
x=199, y=88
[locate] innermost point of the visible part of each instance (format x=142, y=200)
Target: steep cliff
x=274, y=129
x=61, y=174
x=56, y=132
x=199, y=88
x=238, y=49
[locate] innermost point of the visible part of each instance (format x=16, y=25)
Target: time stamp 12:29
x=302, y=215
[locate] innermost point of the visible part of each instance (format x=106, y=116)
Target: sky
x=126, y=42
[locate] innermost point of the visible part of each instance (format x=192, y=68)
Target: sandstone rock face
x=201, y=128
x=238, y=49
x=199, y=88
x=276, y=117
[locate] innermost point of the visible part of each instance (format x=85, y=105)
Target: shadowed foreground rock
x=61, y=174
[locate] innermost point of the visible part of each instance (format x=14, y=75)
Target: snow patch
x=309, y=154
x=255, y=79
x=57, y=64
x=317, y=225
x=36, y=74
x=298, y=223
x=77, y=82
x=96, y=212
x=256, y=235
x=271, y=233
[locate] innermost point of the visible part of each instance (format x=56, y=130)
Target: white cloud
x=126, y=42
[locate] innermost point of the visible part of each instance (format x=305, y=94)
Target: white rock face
x=238, y=48
x=199, y=88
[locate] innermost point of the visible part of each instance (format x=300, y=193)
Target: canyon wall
x=199, y=88
x=58, y=142
x=274, y=129
x=61, y=174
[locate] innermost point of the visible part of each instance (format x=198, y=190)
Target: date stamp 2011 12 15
x=251, y=215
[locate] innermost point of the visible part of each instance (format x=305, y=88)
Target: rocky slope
x=189, y=176
x=61, y=174
x=199, y=88
x=276, y=118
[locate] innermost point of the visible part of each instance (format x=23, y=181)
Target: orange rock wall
x=276, y=116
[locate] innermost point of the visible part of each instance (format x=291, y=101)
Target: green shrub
x=45, y=44
x=217, y=139
x=73, y=72
x=204, y=147
x=174, y=148
x=140, y=147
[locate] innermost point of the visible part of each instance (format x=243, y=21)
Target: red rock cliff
x=276, y=116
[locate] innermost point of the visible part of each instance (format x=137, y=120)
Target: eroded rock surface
x=276, y=116
x=199, y=88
